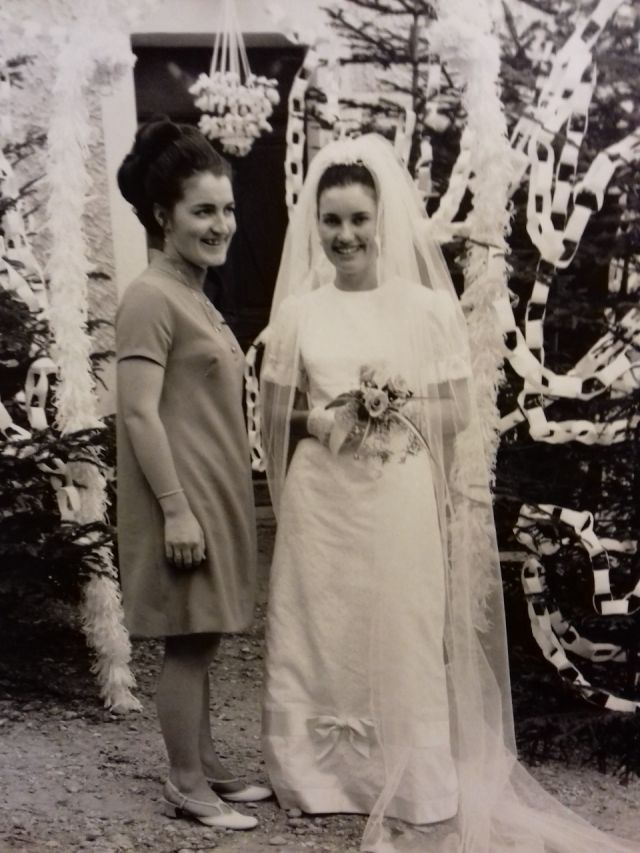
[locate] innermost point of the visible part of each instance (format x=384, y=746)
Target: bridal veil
x=501, y=807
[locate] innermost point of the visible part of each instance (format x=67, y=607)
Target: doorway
x=166, y=66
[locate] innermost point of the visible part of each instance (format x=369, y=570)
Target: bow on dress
x=326, y=731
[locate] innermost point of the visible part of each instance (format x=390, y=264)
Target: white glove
x=331, y=427
x=320, y=422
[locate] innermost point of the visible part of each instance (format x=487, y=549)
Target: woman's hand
x=183, y=537
x=320, y=422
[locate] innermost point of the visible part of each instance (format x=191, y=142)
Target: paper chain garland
x=564, y=101
x=252, y=403
x=295, y=134
x=556, y=635
x=610, y=365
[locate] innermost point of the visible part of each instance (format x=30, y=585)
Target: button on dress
x=161, y=319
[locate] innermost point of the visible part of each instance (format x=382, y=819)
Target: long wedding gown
x=358, y=562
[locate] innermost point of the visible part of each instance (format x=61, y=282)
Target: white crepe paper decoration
x=87, y=55
x=462, y=37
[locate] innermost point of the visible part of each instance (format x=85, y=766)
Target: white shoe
x=229, y=790
x=177, y=805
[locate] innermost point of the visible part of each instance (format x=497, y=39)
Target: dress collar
x=178, y=270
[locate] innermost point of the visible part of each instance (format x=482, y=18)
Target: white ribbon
x=327, y=730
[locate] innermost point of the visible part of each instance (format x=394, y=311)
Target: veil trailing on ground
x=500, y=807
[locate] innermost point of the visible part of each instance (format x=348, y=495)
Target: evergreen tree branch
x=407, y=7
x=545, y=6
x=385, y=44
x=511, y=27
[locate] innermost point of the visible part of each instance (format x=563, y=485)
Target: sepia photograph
x=319, y=426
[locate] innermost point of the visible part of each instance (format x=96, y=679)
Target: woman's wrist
x=173, y=502
x=320, y=422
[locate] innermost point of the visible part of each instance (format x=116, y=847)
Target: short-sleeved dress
x=160, y=319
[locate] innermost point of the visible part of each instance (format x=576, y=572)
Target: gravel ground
x=77, y=778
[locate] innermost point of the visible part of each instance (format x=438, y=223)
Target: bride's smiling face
x=347, y=223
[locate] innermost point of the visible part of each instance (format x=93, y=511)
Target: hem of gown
x=320, y=801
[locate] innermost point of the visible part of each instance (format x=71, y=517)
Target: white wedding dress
x=358, y=563
x=363, y=707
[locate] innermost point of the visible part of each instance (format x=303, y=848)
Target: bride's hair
x=345, y=175
x=163, y=156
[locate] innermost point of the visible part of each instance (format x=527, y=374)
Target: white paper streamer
x=463, y=39
x=87, y=55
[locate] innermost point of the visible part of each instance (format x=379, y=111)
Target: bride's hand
x=320, y=423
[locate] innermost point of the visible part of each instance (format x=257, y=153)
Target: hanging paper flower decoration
x=236, y=103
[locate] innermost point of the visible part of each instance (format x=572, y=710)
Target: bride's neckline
x=354, y=291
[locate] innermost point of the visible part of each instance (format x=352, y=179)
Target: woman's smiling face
x=201, y=225
x=347, y=224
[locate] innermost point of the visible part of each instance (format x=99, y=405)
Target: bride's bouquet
x=373, y=419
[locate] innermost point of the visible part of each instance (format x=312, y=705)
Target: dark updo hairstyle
x=163, y=156
x=345, y=175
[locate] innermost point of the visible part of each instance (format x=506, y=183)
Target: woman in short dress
x=186, y=534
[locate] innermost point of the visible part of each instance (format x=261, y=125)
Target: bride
x=387, y=688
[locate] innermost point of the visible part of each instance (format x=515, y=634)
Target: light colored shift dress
x=160, y=319
x=357, y=596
